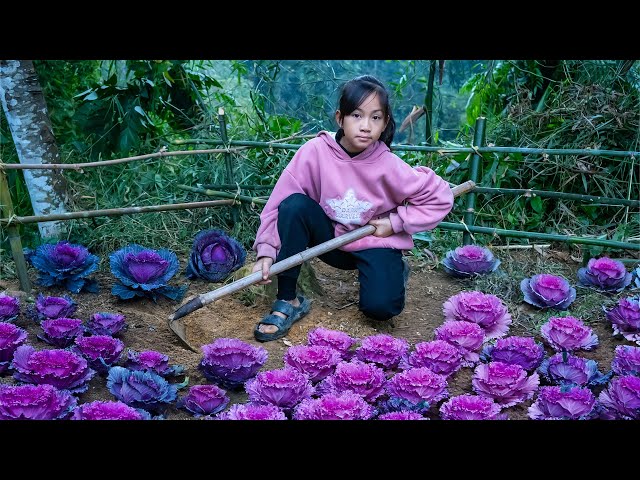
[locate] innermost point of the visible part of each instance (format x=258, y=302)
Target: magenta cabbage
x=486, y=310
x=332, y=338
x=438, y=356
x=417, y=385
x=548, y=291
x=568, y=333
x=229, y=362
x=604, y=274
x=469, y=261
x=105, y=323
x=565, y=369
x=284, y=388
x=47, y=308
x=402, y=415
x=523, y=351
x=214, y=256
x=64, y=264
x=338, y=406
x=364, y=379
x=382, y=349
x=9, y=308
x=35, y=402
x=11, y=337
x=467, y=337
x=61, y=332
x=621, y=398
x=60, y=368
x=569, y=403
x=110, y=410
x=142, y=389
x=471, y=407
x=204, y=400
x=625, y=318
x=626, y=360
x=101, y=351
x=507, y=384
x=316, y=361
x=251, y=411
x=152, y=361
x=144, y=272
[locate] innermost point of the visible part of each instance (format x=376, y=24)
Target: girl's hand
x=263, y=264
x=383, y=227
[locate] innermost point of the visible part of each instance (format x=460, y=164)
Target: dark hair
x=356, y=90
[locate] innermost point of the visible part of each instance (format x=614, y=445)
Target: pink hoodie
x=374, y=184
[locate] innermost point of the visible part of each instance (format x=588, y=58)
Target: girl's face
x=364, y=125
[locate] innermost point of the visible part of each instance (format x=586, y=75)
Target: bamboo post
x=474, y=167
x=6, y=206
x=214, y=193
x=235, y=215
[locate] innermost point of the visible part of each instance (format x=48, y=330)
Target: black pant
x=302, y=223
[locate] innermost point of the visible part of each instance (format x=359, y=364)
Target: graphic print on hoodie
x=375, y=183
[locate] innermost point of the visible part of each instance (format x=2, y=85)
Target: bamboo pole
x=114, y=212
x=214, y=193
x=474, y=168
x=235, y=215
x=6, y=206
x=527, y=192
x=235, y=186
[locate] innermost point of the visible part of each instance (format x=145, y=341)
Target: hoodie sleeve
x=429, y=201
x=267, y=242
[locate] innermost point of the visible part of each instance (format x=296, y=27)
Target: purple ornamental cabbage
x=568, y=403
x=11, y=337
x=332, y=338
x=214, y=256
x=229, y=362
x=61, y=368
x=35, y=402
x=110, y=410
x=548, y=291
x=316, y=361
x=9, y=308
x=568, y=370
x=626, y=360
x=101, y=351
x=105, y=323
x=604, y=274
x=416, y=387
x=402, y=415
x=470, y=261
x=438, y=356
x=364, y=379
x=142, y=389
x=471, y=407
x=152, y=361
x=507, y=384
x=145, y=272
x=283, y=387
x=64, y=264
x=61, y=332
x=467, y=337
x=621, y=398
x=625, y=318
x=334, y=406
x=486, y=310
x=47, y=308
x=568, y=333
x=204, y=400
x=382, y=349
x=523, y=351
x=252, y=411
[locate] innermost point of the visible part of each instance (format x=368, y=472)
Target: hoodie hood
x=369, y=155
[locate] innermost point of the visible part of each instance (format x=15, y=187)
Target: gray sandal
x=284, y=324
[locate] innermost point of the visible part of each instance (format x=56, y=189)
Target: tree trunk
x=26, y=112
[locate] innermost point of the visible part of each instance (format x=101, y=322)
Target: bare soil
x=228, y=317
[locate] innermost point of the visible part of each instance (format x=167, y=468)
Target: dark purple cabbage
x=621, y=398
x=625, y=318
x=204, y=400
x=229, y=362
x=105, y=323
x=548, y=291
x=11, y=337
x=214, y=256
x=9, y=308
x=110, y=410
x=35, y=402
x=61, y=332
x=101, y=351
x=626, y=360
x=284, y=388
x=469, y=261
x=47, y=308
x=142, y=389
x=153, y=361
x=568, y=370
x=604, y=274
x=564, y=403
x=523, y=351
